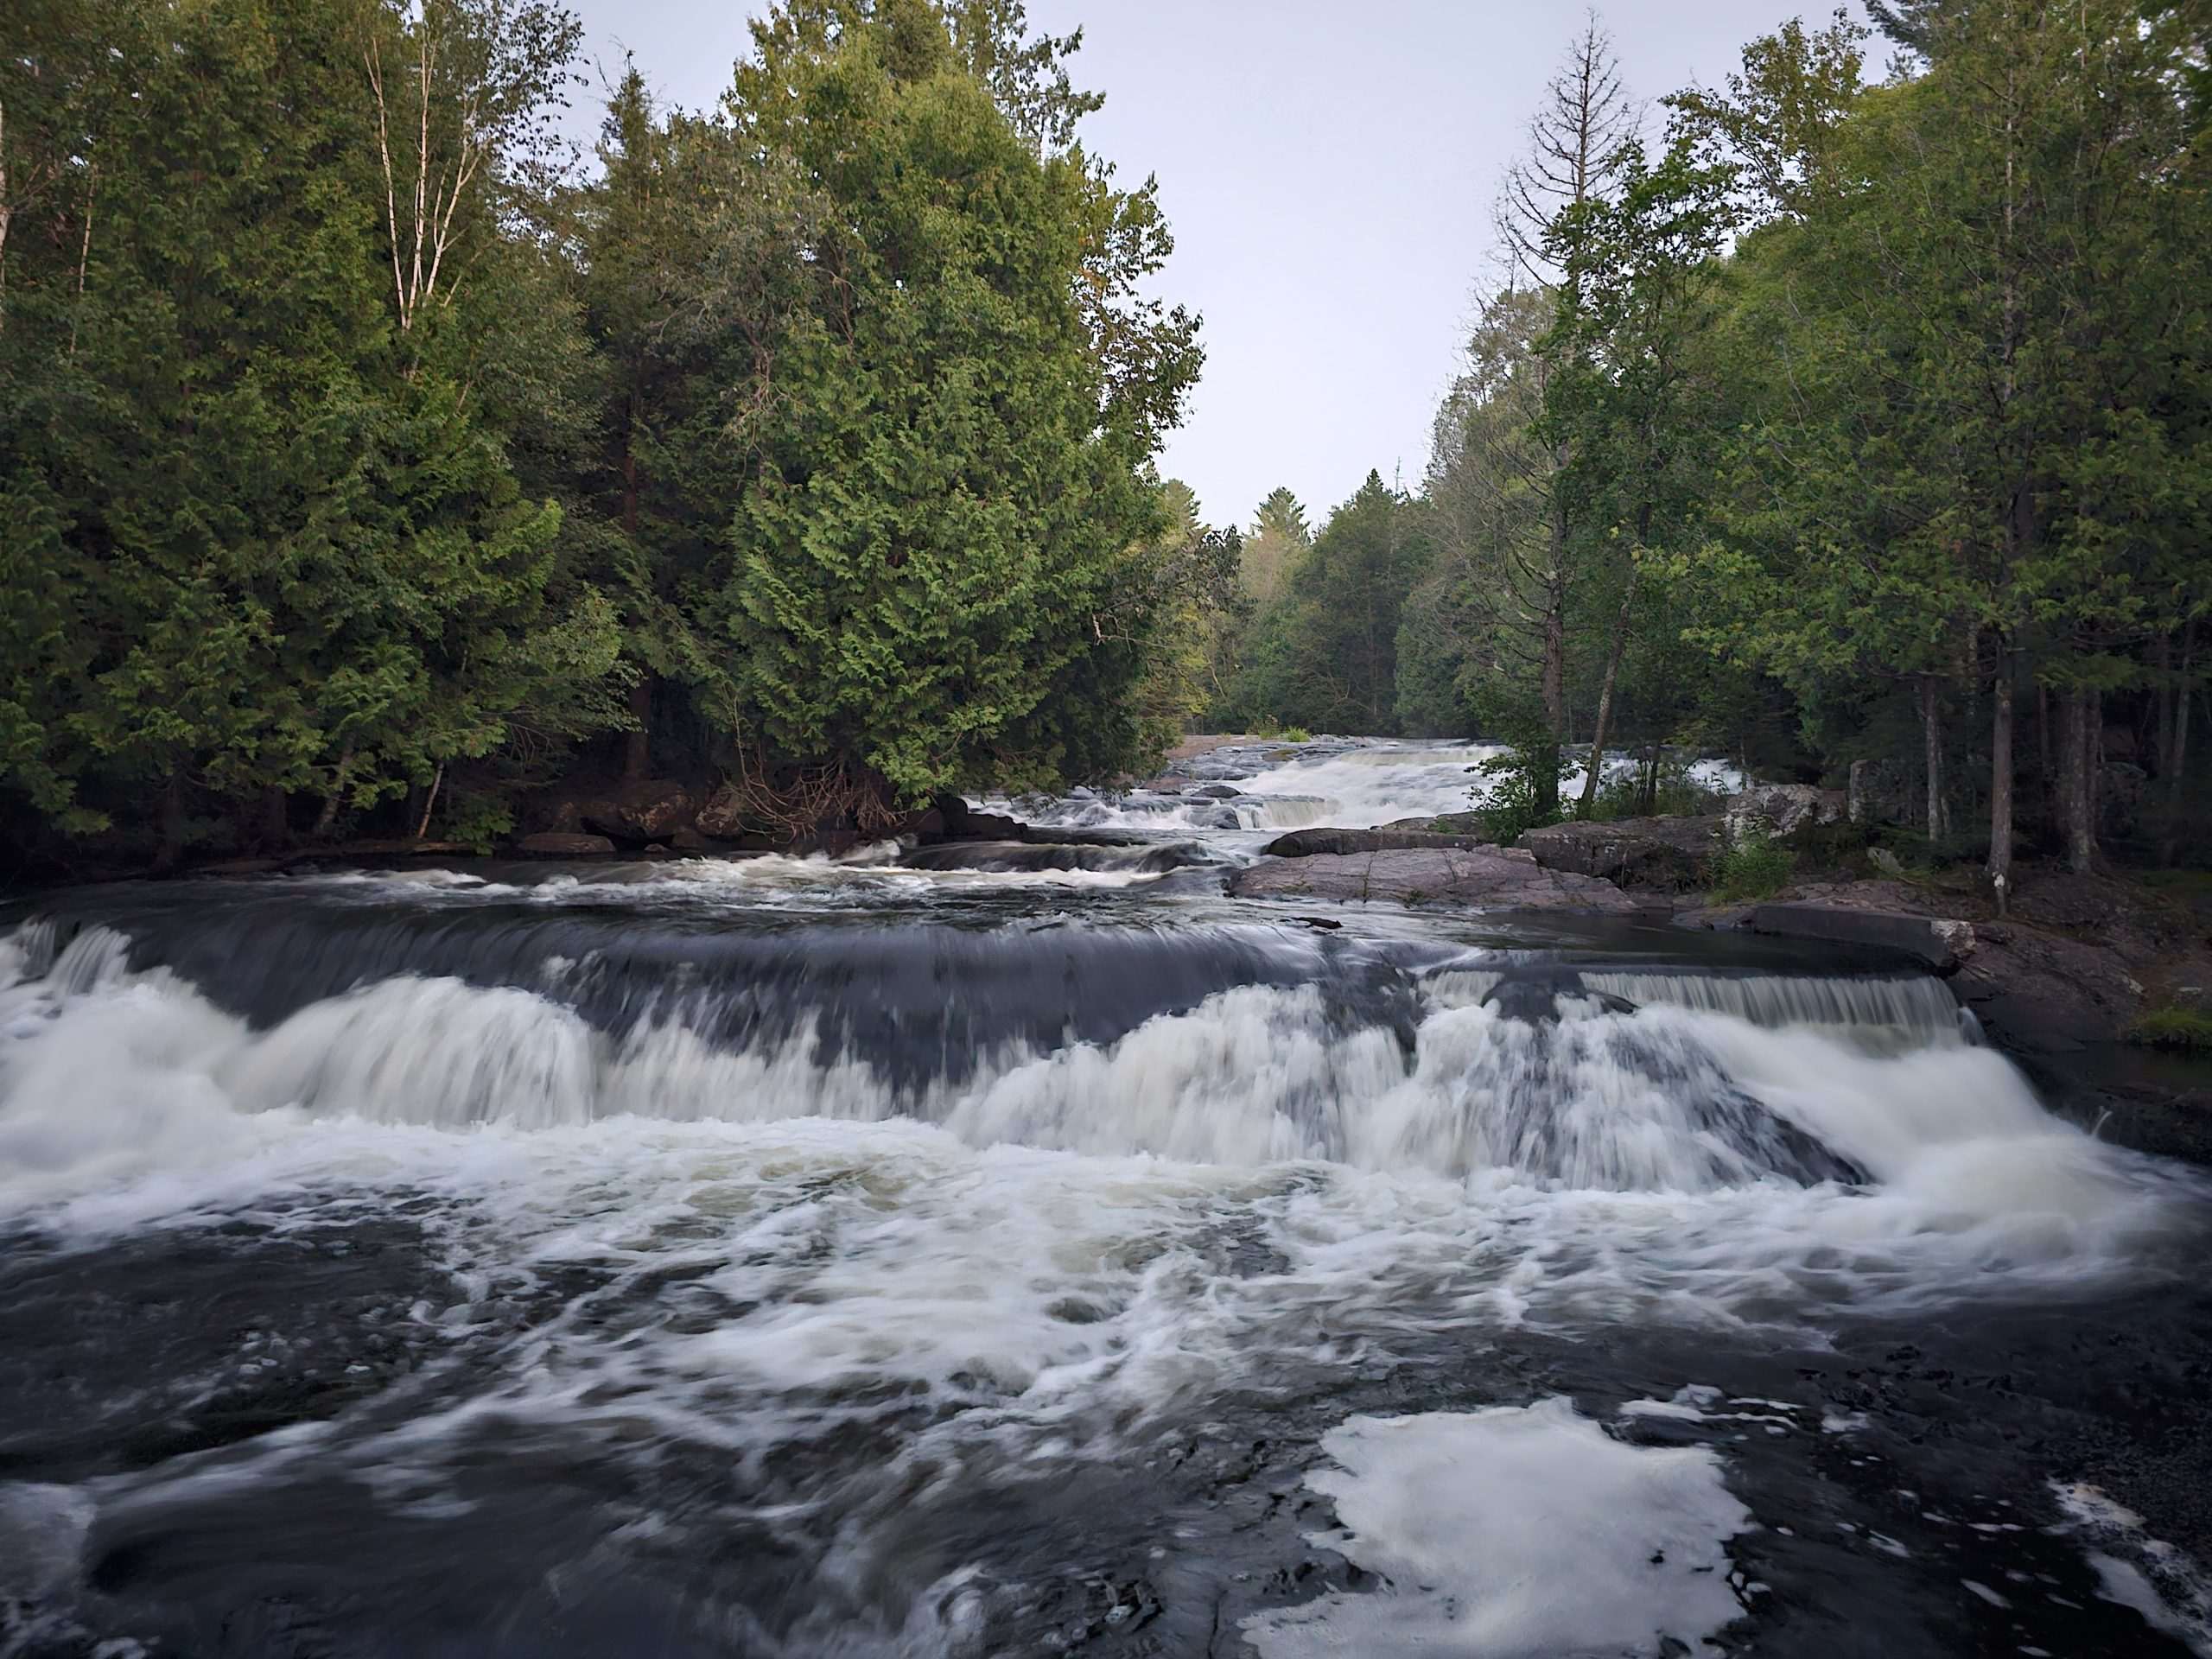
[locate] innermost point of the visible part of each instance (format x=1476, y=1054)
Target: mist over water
x=1032, y=1250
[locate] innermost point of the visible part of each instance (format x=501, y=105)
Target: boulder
x=555, y=843
x=1879, y=793
x=651, y=809
x=1485, y=879
x=1216, y=792
x=1306, y=843
x=926, y=827
x=722, y=815
x=1781, y=810
x=1666, y=854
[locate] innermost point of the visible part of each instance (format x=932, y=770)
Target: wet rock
x=1306, y=843
x=1670, y=854
x=1780, y=810
x=926, y=827
x=1484, y=878
x=1533, y=996
x=1216, y=792
x=555, y=843
x=961, y=822
x=1940, y=942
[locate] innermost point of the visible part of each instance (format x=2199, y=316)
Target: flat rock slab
x=1481, y=879
x=1938, y=941
x=1306, y=843
x=1671, y=854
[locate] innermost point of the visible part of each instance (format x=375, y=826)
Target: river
x=1033, y=1249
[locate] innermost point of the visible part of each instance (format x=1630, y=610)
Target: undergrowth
x=2183, y=1028
x=1755, y=867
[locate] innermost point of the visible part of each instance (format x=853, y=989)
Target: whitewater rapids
x=831, y=1260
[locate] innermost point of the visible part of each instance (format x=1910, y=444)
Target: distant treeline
x=369, y=461
x=1822, y=416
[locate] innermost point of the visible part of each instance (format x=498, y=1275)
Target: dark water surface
x=1034, y=1251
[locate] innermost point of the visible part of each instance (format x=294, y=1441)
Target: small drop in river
x=1032, y=1248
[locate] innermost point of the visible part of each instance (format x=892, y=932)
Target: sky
x=1327, y=167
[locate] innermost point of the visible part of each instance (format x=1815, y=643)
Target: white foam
x=132, y=1098
x=1518, y=1530
x=2168, y=1587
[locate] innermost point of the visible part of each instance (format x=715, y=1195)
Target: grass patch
x=2186, y=884
x=1755, y=867
x=1294, y=734
x=2181, y=1028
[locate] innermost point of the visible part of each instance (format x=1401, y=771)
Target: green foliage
x=1294, y=734
x=360, y=458
x=1325, y=654
x=1514, y=798
x=2180, y=1029
x=1754, y=867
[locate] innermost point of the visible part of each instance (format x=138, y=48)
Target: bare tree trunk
x=1931, y=727
x=1546, y=767
x=328, y=816
x=2043, y=742
x=2094, y=787
x=6, y=214
x=84, y=254
x=2178, y=753
x=637, y=747
x=2000, y=782
x=430, y=802
x=2162, y=706
x=2073, y=766
x=171, y=849
x=1590, y=773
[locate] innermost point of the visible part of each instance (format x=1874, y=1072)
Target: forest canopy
x=371, y=463
x=374, y=465
x=1840, y=415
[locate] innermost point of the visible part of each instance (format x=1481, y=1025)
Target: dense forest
x=373, y=465
x=372, y=462
x=1840, y=414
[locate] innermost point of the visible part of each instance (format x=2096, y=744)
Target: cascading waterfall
x=893, y=1254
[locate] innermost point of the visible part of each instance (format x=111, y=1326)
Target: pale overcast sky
x=1327, y=168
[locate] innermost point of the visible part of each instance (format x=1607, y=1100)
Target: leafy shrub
x=479, y=820
x=1295, y=734
x=1507, y=804
x=1755, y=867
x=2185, y=1028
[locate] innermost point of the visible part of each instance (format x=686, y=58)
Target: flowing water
x=1029, y=1250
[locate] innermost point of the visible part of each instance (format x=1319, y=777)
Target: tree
x=1573, y=156
x=950, y=474
x=1325, y=655
x=285, y=552
x=1479, y=624
x=1983, y=456
x=1624, y=403
x=1277, y=545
